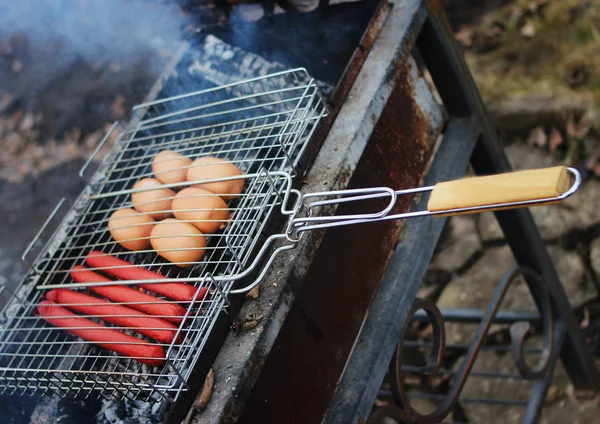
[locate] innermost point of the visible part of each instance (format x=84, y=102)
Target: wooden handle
x=497, y=189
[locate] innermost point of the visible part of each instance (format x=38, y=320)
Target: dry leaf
x=249, y=325
x=538, y=137
x=585, y=322
x=253, y=294
x=496, y=29
x=553, y=394
x=555, y=139
x=571, y=393
x=465, y=36
x=577, y=130
x=206, y=393
x=203, y=397
x=252, y=318
x=528, y=30
x=535, y=4
x=593, y=165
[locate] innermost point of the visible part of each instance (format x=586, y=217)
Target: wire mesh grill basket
x=262, y=126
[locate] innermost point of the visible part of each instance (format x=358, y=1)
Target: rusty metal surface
x=347, y=79
x=360, y=54
x=302, y=371
x=241, y=360
x=324, y=321
x=387, y=316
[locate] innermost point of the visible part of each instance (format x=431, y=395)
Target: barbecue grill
x=290, y=141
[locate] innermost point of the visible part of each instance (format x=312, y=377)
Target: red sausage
x=158, y=307
x=140, y=350
x=124, y=270
x=155, y=328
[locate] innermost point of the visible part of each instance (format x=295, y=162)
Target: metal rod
x=42, y=229
x=97, y=149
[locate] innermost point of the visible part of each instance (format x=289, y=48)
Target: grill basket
x=261, y=125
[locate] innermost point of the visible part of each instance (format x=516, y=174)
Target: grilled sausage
x=124, y=270
x=151, y=305
x=138, y=349
x=155, y=328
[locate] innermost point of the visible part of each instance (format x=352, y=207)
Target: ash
x=127, y=411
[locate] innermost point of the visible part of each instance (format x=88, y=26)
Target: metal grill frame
x=263, y=126
x=468, y=134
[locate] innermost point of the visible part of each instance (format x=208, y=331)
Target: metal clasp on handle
x=310, y=222
x=82, y=173
x=35, y=239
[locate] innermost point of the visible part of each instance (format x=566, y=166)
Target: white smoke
x=59, y=32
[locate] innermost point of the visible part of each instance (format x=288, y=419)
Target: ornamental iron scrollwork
x=518, y=331
x=389, y=411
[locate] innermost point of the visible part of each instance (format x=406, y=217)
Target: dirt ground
x=536, y=62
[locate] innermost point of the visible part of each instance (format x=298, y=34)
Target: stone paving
x=473, y=255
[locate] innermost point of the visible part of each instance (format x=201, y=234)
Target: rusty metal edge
x=345, y=83
x=313, y=345
x=373, y=349
x=332, y=169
